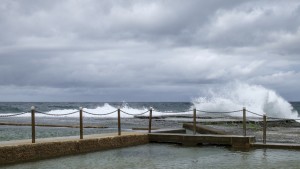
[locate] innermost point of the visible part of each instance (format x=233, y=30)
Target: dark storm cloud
x=145, y=50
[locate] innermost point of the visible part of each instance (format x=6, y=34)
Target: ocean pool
x=171, y=156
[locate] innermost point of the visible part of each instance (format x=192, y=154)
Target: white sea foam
x=256, y=98
x=106, y=108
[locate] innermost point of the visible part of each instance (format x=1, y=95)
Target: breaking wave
x=256, y=98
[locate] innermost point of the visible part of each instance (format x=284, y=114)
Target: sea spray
x=236, y=95
x=100, y=111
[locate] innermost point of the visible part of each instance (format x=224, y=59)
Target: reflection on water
x=172, y=156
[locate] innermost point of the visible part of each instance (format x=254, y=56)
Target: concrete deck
x=192, y=140
x=276, y=146
x=178, y=130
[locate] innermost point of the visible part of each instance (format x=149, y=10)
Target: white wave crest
x=256, y=98
x=105, y=109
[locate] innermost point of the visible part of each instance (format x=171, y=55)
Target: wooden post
x=80, y=122
x=244, y=121
x=150, y=120
x=33, y=124
x=194, y=121
x=265, y=129
x=119, y=122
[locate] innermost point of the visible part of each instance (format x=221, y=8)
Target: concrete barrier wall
x=38, y=151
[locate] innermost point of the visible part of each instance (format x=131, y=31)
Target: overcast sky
x=171, y=50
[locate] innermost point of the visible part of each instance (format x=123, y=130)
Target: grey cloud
x=144, y=50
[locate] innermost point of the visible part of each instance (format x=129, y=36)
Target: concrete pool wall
x=12, y=152
x=22, y=152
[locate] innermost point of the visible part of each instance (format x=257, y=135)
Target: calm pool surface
x=171, y=156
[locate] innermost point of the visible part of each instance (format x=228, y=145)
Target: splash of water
x=106, y=108
x=256, y=98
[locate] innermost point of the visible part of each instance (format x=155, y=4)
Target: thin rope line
x=269, y=117
x=254, y=113
x=57, y=114
x=218, y=112
x=278, y=118
x=100, y=114
x=175, y=112
x=134, y=114
x=11, y=115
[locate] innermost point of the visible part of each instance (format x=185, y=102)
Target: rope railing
x=135, y=114
x=119, y=111
x=278, y=118
x=270, y=117
x=203, y=111
x=49, y=114
x=12, y=115
x=187, y=111
x=103, y=114
x=264, y=128
x=254, y=113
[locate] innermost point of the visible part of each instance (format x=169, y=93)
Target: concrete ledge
x=178, y=130
x=16, y=153
x=191, y=140
x=276, y=146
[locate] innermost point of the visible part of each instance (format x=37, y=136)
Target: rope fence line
x=277, y=118
x=187, y=111
x=81, y=111
x=49, y=114
x=103, y=114
x=11, y=115
x=203, y=111
x=254, y=113
x=100, y=114
x=134, y=114
x=270, y=117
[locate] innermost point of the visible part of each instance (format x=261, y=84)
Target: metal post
x=150, y=120
x=80, y=122
x=244, y=121
x=119, y=122
x=265, y=129
x=33, y=124
x=194, y=121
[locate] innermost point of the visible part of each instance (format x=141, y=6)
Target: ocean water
x=101, y=107
x=160, y=108
x=231, y=97
x=172, y=156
